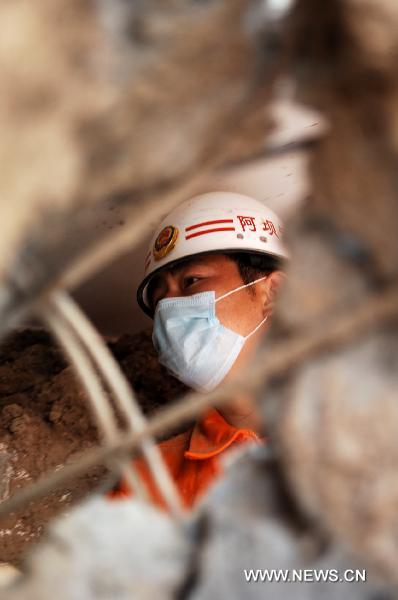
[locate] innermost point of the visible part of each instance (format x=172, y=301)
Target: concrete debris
x=338, y=437
x=114, y=551
x=247, y=522
x=253, y=523
x=126, y=101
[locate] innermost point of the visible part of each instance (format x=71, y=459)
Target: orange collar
x=213, y=434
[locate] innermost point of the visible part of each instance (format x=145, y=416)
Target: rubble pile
x=44, y=422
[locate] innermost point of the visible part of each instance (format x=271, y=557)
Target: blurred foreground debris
x=248, y=521
x=338, y=418
x=114, y=105
x=94, y=549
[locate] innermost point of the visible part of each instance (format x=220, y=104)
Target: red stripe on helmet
x=209, y=223
x=191, y=235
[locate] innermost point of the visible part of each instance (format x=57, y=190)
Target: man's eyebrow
x=179, y=267
x=187, y=264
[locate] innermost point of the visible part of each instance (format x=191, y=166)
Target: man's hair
x=254, y=266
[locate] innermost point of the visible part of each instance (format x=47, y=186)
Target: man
x=211, y=274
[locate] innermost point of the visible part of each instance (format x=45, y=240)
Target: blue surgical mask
x=192, y=343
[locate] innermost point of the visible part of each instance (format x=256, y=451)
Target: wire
x=124, y=397
x=99, y=403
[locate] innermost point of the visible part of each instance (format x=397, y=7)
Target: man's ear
x=272, y=285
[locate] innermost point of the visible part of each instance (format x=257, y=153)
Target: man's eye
x=188, y=281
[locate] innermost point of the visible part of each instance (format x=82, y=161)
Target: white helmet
x=208, y=223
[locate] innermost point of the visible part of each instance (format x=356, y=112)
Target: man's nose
x=172, y=291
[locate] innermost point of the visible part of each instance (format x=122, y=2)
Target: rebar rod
x=122, y=393
x=98, y=401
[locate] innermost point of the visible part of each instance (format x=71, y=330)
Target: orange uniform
x=192, y=457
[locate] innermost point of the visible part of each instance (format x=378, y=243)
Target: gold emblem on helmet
x=165, y=242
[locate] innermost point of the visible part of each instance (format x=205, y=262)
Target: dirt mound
x=44, y=421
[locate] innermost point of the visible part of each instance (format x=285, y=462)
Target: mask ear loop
x=241, y=287
x=256, y=328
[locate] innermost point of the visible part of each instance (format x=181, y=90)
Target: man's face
x=241, y=312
